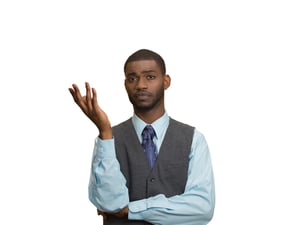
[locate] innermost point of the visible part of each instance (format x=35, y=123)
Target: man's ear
x=167, y=81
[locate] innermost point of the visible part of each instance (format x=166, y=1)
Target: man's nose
x=142, y=83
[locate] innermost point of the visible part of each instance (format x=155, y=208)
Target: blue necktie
x=148, y=145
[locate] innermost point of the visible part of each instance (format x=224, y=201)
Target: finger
x=77, y=93
x=71, y=90
x=88, y=96
x=103, y=214
x=74, y=92
x=79, y=100
x=94, y=101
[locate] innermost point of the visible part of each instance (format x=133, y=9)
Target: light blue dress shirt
x=108, y=191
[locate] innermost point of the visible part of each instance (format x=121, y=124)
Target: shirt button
x=152, y=179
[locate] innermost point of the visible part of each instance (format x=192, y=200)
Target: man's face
x=145, y=84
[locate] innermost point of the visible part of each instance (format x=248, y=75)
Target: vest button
x=152, y=179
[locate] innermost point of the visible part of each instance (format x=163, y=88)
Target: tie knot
x=148, y=132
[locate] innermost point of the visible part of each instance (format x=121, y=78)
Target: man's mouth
x=142, y=95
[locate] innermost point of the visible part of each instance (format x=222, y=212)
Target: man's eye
x=131, y=79
x=150, y=77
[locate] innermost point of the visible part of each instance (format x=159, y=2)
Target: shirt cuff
x=136, y=208
x=105, y=148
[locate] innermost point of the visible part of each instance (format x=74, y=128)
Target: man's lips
x=142, y=95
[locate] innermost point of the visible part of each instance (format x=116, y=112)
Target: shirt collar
x=159, y=125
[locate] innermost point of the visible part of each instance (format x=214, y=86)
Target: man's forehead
x=141, y=64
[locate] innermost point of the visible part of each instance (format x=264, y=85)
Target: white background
x=229, y=63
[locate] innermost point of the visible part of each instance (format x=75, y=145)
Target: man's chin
x=143, y=107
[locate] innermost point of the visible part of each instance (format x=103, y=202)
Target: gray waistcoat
x=169, y=174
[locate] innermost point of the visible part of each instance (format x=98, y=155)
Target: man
x=156, y=174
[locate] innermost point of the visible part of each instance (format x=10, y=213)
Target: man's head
x=146, y=81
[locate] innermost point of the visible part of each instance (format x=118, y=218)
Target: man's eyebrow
x=148, y=71
x=131, y=74
x=143, y=72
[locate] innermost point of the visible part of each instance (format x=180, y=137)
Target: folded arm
x=108, y=191
x=195, y=205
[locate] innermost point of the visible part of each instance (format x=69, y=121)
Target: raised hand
x=89, y=105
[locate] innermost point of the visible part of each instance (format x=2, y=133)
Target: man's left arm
x=195, y=205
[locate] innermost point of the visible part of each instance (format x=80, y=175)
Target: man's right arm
x=107, y=186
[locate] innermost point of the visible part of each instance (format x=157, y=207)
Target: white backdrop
x=229, y=63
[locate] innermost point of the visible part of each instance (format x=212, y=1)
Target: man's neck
x=150, y=116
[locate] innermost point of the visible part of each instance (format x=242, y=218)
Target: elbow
x=209, y=215
x=108, y=201
x=208, y=206
x=208, y=212
x=204, y=211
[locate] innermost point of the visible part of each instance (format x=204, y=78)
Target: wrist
x=108, y=134
x=123, y=213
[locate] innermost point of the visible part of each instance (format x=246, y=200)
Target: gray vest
x=169, y=174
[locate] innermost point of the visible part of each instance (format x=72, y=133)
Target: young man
x=156, y=174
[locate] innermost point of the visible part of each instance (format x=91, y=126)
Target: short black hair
x=145, y=54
